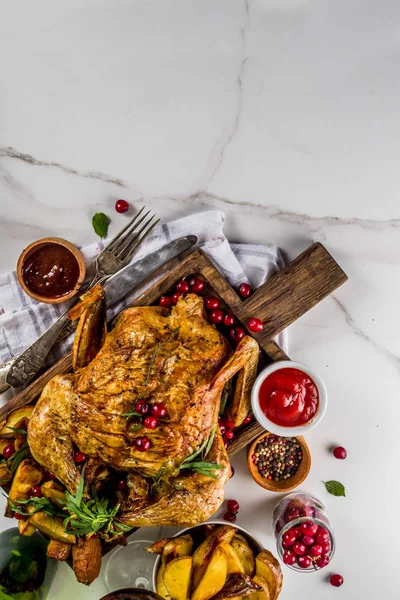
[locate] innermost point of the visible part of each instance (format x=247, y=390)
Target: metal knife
x=23, y=368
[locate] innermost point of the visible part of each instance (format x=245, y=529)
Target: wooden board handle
x=291, y=292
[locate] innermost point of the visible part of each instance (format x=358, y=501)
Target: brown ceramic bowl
x=286, y=484
x=35, y=246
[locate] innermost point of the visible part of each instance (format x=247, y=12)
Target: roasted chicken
x=156, y=355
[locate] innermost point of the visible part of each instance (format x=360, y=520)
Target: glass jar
x=288, y=517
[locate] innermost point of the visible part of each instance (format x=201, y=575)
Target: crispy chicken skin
x=176, y=357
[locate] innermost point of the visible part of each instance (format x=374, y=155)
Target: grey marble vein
x=9, y=152
x=393, y=358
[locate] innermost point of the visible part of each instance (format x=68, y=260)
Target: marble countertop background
x=284, y=114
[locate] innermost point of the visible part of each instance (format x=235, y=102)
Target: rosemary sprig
x=37, y=505
x=91, y=516
x=203, y=467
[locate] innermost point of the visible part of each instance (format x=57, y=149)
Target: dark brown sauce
x=51, y=271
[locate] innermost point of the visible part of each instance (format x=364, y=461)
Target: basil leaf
x=335, y=488
x=100, y=223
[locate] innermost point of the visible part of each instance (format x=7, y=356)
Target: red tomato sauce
x=289, y=397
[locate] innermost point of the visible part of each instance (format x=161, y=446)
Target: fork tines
x=123, y=246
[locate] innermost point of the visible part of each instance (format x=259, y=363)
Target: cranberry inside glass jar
x=303, y=531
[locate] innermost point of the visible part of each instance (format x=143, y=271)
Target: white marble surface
x=283, y=113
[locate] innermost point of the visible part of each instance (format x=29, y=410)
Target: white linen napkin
x=23, y=320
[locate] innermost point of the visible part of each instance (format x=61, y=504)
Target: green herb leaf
x=335, y=488
x=210, y=442
x=225, y=397
x=100, y=223
x=36, y=505
x=21, y=431
x=134, y=413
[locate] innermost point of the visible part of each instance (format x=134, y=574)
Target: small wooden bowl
x=285, y=485
x=34, y=246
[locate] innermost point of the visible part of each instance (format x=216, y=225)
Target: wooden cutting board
x=285, y=297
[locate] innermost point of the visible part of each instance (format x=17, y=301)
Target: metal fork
x=120, y=250
x=114, y=257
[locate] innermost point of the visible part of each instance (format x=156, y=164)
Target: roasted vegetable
x=265, y=593
x=171, y=549
x=58, y=550
x=244, y=553
x=214, y=576
x=201, y=557
x=25, y=528
x=52, y=493
x=28, y=474
x=178, y=576
x=17, y=419
x=234, y=564
x=237, y=585
x=86, y=559
x=178, y=547
x=267, y=567
x=52, y=527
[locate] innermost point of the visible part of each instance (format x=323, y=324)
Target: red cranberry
x=315, y=550
x=8, y=451
x=215, y=316
x=165, y=301
x=150, y=422
x=237, y=333
x=299, y=548
x=229, y=424
x=36, y=492
x=322, y=561
x=230, y=516
x=122, y=486
x=297, y=531
x=229, y=320
x=142, y=443
x=233, y=506
x=307, y=511
x=289, y=537
x=142, y=407
x=197, y=286
x=19, y=517
x=325, y=548
x=229, y=434
x=175, y=297
x=159, y=410
x=322, y=536
x=247, y=419
x=244, y=290
x=79, y=457
x=336, y=580
x=309, y=528
x=307, y=540
x=121, y=206
x=49, y=476
x=304, y=562
x=255, y=325
x=286, y=545
x=340, y=453
x=222, y=429
x=182, y=286
x=289, y=558
x=292, y=514
x=212, y=302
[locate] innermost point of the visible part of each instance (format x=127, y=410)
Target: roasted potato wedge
x=264, y=594
x=267, y=567
x=28, y=474
x=86, y=559
x=58, y=550
x=5, y=475
x=160, y=583
x=214, y=576
x=178, y=576
x=158, y=547
x=178, y=547
x=25, y=528
x=234, y=564
x=201, y=557
x=18, y=419
x=240, y=406
x=53, y=495
x=52, y=527
x=237, y=585
x=245, y=554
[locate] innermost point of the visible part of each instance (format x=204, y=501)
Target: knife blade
x=26, y=365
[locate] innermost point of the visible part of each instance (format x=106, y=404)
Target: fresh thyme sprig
x=202, y=466
x=91, y=516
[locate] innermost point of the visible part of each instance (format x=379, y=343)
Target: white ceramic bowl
x=253, y=541
x=278, y=429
